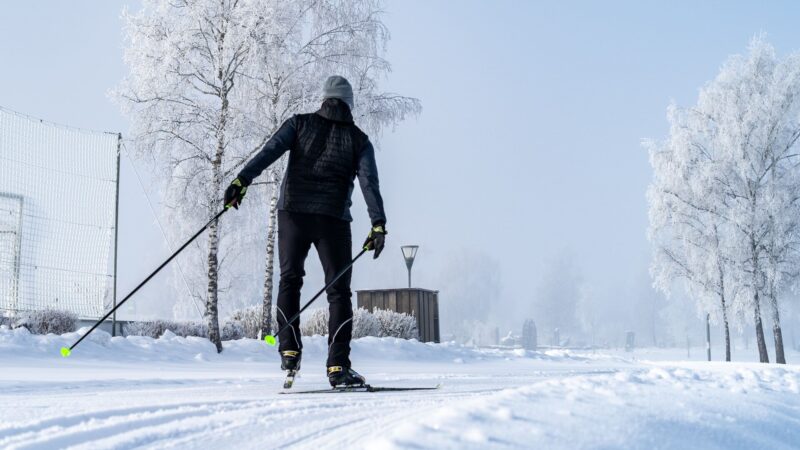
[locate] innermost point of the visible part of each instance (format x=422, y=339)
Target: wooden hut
x=420, y=303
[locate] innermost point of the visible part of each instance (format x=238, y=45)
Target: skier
x=326, y=152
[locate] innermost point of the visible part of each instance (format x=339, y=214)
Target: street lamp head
x=409, y=253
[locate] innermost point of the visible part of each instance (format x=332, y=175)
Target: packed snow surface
x=175, y=392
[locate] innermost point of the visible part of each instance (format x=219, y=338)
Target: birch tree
x=687, y=226
x=755, y=105
x=741, y=146
x=315, y=39
x=187, y=94
x=209, y=83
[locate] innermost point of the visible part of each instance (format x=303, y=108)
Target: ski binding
x=287, y=384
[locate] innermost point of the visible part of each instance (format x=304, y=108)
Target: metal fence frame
x=17, y=245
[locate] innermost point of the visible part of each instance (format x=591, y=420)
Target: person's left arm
x=367, y=172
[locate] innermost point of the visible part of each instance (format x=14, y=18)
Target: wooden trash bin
x=423, y=304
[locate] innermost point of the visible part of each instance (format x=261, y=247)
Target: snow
x=175, y=392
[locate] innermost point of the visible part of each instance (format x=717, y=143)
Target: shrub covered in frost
x=155, y=328
x=249, y=319
x=317, y=323
x=365, y=324
x=380, y=323
x=48, y=321
x=394, y=324
x=233, y=330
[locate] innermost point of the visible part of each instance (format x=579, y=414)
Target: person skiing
x=326, y=152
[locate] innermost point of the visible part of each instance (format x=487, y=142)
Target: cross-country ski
x=362, y=388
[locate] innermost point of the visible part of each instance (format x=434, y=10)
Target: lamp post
x=409, y=253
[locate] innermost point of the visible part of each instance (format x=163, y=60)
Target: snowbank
x=735, y=406
x=19, y=343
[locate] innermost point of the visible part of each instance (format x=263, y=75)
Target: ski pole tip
x=269, y=339
x=65, y=351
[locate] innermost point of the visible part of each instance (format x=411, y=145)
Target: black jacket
x=327, y=151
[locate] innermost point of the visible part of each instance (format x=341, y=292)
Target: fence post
x=116, y=239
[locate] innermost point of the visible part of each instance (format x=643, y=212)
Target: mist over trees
x=587, y=313
x=725, y=196
x=555, y=300
x=470, y=299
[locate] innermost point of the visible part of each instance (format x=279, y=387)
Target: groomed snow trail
x=177, y=393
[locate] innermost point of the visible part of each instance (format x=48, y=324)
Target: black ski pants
x=333, y=241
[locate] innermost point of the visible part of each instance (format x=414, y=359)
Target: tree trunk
x=727, y=333
x=780, y=357
x=721, y=282
x=763, y=356
x=212, y=315
x=213, y=236
x=269, y=273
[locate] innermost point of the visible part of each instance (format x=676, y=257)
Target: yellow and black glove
x=235, y=193
x=376, y=240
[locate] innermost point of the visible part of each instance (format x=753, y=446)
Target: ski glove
x=376, y=240
x=235, y=193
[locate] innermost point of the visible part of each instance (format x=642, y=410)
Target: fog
x=523, y=181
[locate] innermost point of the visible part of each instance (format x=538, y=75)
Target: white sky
x=528, y=145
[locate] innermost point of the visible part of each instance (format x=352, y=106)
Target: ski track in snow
x=178, y=393
x=312, y=420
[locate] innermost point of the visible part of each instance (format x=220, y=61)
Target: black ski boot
x=340, y=376
x=290, y=361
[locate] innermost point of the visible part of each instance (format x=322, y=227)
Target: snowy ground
x=178, y=393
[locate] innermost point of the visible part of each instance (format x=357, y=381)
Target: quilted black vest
x=322, y=163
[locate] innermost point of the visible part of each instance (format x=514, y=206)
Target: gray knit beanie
x=338, y=87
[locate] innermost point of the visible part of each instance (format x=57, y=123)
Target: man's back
x=323, y=162
x=326, y=151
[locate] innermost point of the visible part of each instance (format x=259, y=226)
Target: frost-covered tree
x=312, y=40
x=754, y=104
x=187, y=93
x=687, y=217
x=741, y=183
x=211, y=80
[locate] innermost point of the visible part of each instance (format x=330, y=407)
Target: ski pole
x=66, y=351
x=270, y=338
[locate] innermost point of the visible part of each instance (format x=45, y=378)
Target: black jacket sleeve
x=368, y=180
x=277, y=145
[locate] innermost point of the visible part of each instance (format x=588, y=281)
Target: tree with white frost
x=742, y=155
x=209, y=83
x=313, y=40
x=188, y=95
x=687, y=222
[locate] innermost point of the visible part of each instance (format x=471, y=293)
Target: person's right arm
x=277, y=145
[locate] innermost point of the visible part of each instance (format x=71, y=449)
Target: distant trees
x=725, y=196
x=556, y=300
x=473, y=283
